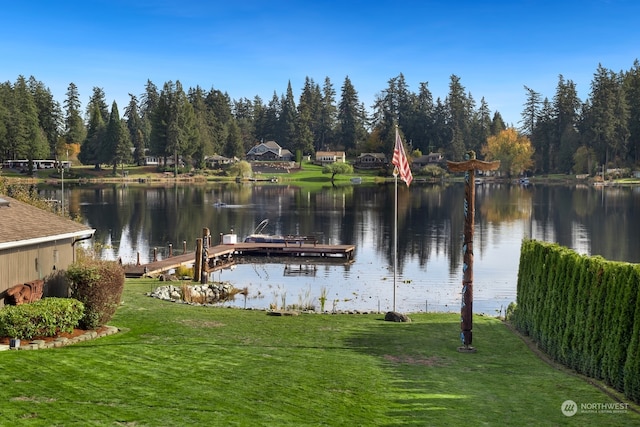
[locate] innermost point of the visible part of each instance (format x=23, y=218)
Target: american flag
x=400, y=161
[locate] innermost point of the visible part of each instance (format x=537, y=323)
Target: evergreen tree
x=351, y=118
x=27, y=139
x=116, y=148
x=442, y=133
x=270, y=123
x=543, y=137
x=459, y=108
x=566, y=106
x=260, y=121
x=98, y=101
x=309, y=117
x=136, y=129
x=74, y=129
x=531, y=112
x=480, y=127
x=287, y=123
x=497, y=124
x=244, y=114
x=233, y=146
x=98, y=116
x=218, y=117
x=602, y=119
x=5, y=95
x=49, y=115
x=203, y=141
x=328, y=112
x=424, y=128
x=174, y=127
x=148, y=105
x=632, y=93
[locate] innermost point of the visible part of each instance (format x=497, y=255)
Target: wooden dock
x=222, y=256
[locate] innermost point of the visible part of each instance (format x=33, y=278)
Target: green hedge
x=43, y=318
x=582, y=311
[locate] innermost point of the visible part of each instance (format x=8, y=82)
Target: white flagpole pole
x=395, y=229
x=395, y=239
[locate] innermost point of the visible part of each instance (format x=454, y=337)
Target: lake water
x=131, y=220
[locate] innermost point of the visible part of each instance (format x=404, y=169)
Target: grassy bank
x=176, y=365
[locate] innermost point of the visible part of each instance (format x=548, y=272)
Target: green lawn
x=177, y=365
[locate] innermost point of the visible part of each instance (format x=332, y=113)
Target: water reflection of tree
x=512, y=204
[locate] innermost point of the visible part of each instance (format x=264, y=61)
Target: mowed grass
x=178, y=365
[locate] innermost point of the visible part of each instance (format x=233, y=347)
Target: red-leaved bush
x=98, y=285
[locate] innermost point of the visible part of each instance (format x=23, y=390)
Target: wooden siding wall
x=24, y=264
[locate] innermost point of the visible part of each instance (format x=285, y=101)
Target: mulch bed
x=76, y=332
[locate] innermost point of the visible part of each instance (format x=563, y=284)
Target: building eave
x=45, y=239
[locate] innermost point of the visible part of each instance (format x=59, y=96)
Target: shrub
x=43, y=318
x=184, y=271
x=99, y=285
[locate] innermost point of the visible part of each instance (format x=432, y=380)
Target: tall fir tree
x=116, y=149
x=351, y=118
x=287, y=123
x=328, y=115
x=98, y=116
x=27, y=137
x=135, y=128
x=49, y=115
x=74, y=128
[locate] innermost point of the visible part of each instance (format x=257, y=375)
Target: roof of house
x=376, y=155
x=330, y=153
x=22, y=224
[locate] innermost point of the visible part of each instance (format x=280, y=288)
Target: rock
x=394, y=316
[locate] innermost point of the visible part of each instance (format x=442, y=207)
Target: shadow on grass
x=420, y=358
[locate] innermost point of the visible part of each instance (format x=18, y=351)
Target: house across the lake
x=328, y=157
x=428, y=159
x=269, y=150
x=370, y=161
x=34, y=244
x=217, y=161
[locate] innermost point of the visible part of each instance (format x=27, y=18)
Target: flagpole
x=395, y=236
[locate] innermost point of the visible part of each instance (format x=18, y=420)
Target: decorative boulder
x=394, y=316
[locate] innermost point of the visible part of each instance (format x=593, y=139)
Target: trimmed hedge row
x=582, y=311
x=43, y=318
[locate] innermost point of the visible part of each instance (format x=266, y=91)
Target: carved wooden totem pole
x=469, y=166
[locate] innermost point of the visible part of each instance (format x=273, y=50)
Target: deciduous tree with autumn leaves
x=514, y=151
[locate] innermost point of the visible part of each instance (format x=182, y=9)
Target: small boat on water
x=258, y=236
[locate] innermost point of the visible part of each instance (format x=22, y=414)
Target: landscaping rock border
x=62, y=341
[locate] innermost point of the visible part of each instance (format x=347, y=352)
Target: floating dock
x=223, y=256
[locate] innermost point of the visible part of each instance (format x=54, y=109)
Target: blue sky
x=248, y=48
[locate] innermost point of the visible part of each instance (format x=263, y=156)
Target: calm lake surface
x=134, y=219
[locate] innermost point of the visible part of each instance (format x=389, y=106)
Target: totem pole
x=204, y=278
x=469, y=167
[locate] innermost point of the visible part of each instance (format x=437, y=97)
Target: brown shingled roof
x=21, y=222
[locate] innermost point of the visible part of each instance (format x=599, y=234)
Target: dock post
x=184, y=247
x=155, y=254
x=170, y=250
x=138, y=262
x=197, y=266
x=206, y=237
